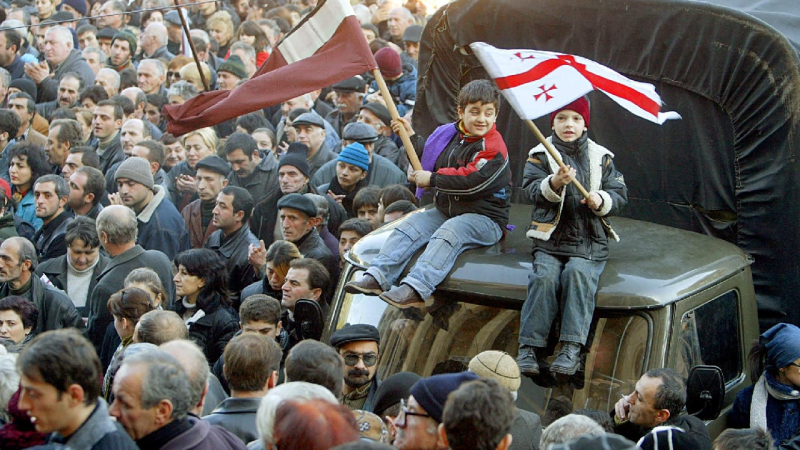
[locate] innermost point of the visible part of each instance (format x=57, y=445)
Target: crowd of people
x=150, y=284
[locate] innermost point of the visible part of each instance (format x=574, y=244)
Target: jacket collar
x=238, y=406
x=123, y=257
x=97, y=425
x=150, y=209
x=231, y=244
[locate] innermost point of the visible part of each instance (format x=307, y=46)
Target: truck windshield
x=445, y=336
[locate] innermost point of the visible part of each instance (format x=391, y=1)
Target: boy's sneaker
x=366, y=285
x=569, y=359
x=526, y=359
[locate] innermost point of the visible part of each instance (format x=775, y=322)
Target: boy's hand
x=401, y=122
x=337, y=198
x=422, y=178
x=594, y=201
x=564, y=177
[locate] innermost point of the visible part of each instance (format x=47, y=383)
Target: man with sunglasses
x=358, y=345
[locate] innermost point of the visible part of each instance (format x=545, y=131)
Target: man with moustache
x=358, y=345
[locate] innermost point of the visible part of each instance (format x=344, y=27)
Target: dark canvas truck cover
x=728, y=169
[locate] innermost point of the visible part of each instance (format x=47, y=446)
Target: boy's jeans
x=578, y=279
x=448, y=239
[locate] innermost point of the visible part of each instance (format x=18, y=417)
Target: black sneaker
x=569, y=359
x=526, y=359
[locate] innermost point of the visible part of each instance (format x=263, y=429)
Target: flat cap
x=309, y=119
x=359, y=132
x=355, y=333
x=106, y=33
x=299, y=202
x=354, y=84
x=380, y=111
x=413, y=33
x=215, y=164
x=172, y=17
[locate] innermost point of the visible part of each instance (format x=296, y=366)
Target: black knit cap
x=354, y=333
x=393, y=389
x=296, y=156
x=215, y=164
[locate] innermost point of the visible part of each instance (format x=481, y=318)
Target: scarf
x=347, y=201
x=761, y=391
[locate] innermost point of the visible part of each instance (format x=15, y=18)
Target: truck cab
x=667, y=298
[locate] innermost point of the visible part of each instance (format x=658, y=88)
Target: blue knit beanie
x=356, y=155
x=431, y=393
x=783, y=345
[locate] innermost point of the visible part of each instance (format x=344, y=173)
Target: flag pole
x=191, y=45
x=387, y=97
x=554, y=154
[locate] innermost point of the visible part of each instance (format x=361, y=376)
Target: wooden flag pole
x=191, y=45
x=554, y=154
x=387, y=97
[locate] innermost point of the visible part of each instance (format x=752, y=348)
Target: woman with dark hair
x=18, y=317
x=274, y=264
x=251, y=33
x=202, y=282
x=127, y=306
x=147, y=280
x=773, y=401
x=27, y=163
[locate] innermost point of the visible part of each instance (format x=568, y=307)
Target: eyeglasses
x=401, y=420
x=351, y=359
x=793, y=364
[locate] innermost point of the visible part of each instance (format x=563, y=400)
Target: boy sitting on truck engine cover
x=466, y=165
x=570, y=237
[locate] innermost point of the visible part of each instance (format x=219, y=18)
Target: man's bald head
x=195, y=364
x=160, y=326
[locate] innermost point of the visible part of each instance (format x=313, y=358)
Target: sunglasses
x=351, y=359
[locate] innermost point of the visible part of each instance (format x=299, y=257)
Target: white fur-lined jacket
x=560, y=224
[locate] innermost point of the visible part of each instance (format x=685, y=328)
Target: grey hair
x=164, y=379
x=26, y=251
x=17, y=26
x=200, y=34
x=323, y=210
x=248, y=49
x=295, y=390
x=119, y=223
x=568, y=428
x=159, y=31
x=61, y=185
x=183, y=89
x=114, y=75
x=162, y=71
x=194, y=362
x=63, y=34
x=101, y=55
x=9, y=380
x=5, y=77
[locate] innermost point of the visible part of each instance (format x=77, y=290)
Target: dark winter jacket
x=161, y=226
x=560, y=224
x=783, y=416
x=212, y=331
x=234, y=250
x=56, y=310
x=112, y=155
x=191, y=433
x=50, y=239
x=98, y=432
x=237, y=415
x=56, y=271
x=262, y=182
x=694, y=428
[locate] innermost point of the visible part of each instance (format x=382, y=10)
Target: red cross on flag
x=537, y=82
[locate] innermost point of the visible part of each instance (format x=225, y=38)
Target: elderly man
x=348, y=96
x=658, y=399
x=199, y=214
x=109, y=79
x=399, y=19
x=251, y=369
x=139, y=99
x=112, y=15
x=311, y=132
x=230, y=73
x=64, y=135
x=298, y=219
x=123, y=47
x=95, y=57
x=207, y=392
x=358, y=345
x=250, y=171
x=158, y=417
x=247, y=54
x=154, y=43
x=62, y=57
x=68, y=94
x=377, y=116
x=151, y=75
x=60, y=380
x=17, y=263
x=117, y=228
x=304, y=103
x=50, y=195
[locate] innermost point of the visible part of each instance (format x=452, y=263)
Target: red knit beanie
x=389, y=62
x=580, y=106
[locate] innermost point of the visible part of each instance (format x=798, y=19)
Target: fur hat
x=296, y=156
x=389, y=62
x=136, y=169
x=580, y=106
x=499, y=366
x=431, y=393
x=356, y=155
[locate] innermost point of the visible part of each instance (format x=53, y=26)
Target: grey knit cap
x=136, y=169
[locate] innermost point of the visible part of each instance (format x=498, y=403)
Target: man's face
x=106, y=79
x=81, y=255
x=133, y=194
x=209, y=184
x=296, y=288
x=642, y=410
x=412, y=49
x=397, y=23
x=175, y=154
x=41, y=32
x=88, y=39
x=295, y=224
x=370, y=214
x=120, y=52
x=48, y=409
x=349, y=175
x=347, y=240
x=104, y=44
x=347, y=102
x=224, y=217
x=311, y=135
x=227, y=81
x=7, y=55
x=365, y=354
x=73, y=162
x=46, y=8
x=368, y=117
x=55, y=50
x=94, y=62
x=113, y=19
x=289, y=105
x=291, y=179
x=104, y=123
x=130, y=135
x=68, y=92
x=20, y=106
x=174, y=32
x=263, y=328
x=415, y=432
x=149, y=78
x=242, y=164
x=11, y=267
x=152, y=113
x=48, y=204
x=127, y=406
x=77, y=192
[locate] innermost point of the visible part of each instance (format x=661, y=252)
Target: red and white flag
x=326, y=47
x=537, y=82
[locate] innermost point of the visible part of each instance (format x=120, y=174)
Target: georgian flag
x=325, y=48
x=538, y=82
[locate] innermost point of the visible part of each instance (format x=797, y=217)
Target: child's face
x=347, y=240
x=349, y=175
x=478, y=117
x=569, y=125
x=369, y=213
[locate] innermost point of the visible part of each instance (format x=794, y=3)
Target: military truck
x=667, y=298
